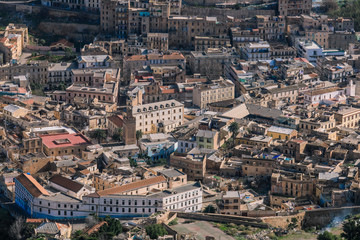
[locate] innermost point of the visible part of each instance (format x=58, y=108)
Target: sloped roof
x=31, y=185
x=66, y=183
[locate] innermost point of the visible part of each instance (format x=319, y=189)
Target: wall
x=323, y=217
x=222, y=13
x=75, y=31
x=283, y=221
x=247, y=221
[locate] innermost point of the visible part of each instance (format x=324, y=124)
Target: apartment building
x=150, y=117
x=208, y=139
x=271, y=28
x=348, y=117
x=59, y=74
x=252, y=167
x=217, y=91
x=281, y=133
x=136, y=62
x=294, y=7
x=36, y=72
x=100, y=84
x=292, y=184
x=210, y=62
x=337, y=73
x=158, y=41
x=121, y=201
x=193, y=163
x=203, y=43
x=309, y=50
x=183, y=30
x=257, y=51
x=241, y=37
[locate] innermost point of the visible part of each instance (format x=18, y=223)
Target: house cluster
x=163, y=107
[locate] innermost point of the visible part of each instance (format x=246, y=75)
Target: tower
x=129, y=127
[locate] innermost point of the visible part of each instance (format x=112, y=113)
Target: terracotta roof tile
x=129, y=187
x=66, y=183
x=31, y=185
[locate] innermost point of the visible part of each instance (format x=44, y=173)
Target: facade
x=121, y=201
x=210, y=62
x=348, y=117
x=64, y=144
x=220, y=90
x=294, y=7
x=208, y=139
x=309, y=50
x=154, y=116
x=257, y=51
x=292, y=185
x=281, y=133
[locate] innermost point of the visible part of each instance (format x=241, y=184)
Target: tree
x=16, y=228
x=234, y=129
x=209, y=209
x=99, y=134
x=155, y=231
x=293, y=223
x=139, y=135
x=118, y=136
x=327, y=236
x=328, y=6
x=351, y=229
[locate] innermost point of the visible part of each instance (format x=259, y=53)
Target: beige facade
x=294, y=7
x=348, y=117
x=193, y=165
x=150, y=117
x=292, y=185
x=218, y=91
x=158, y=41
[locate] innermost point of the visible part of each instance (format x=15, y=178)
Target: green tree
x=209, y=209
x=139, y=135
x=293, y=223
x=234, y=129
x=327, y=236
x=118, y=136
x=99, y=134
x=351, y=229
x=155, y=231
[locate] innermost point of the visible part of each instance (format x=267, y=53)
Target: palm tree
x=99, y=134
x=234, y=129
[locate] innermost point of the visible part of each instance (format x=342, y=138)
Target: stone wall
x=323, y=217
x=223, y=13
x=75, y=31
x=247, y=221
x=283, y=221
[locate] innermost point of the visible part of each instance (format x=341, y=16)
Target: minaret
x=129, y=127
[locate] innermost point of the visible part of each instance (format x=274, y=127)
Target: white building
x=160, y=116
x=59, y=73
x=41, y=203
x=257, y=51
x=309, y=50
x=70, y=187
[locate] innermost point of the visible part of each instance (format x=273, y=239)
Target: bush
x=173, y=222
x=155, y=230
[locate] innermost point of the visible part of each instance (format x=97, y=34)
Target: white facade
x=257, y=51
x=186, y=198
x=149, y=116
x=309, y=50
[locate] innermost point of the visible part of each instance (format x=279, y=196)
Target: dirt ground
x=200, y=229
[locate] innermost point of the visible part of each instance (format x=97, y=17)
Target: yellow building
x=281, y=133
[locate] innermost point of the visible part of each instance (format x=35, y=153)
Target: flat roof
x=64, y=140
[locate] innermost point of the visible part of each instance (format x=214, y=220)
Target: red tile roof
x=129, y=187
x=31, y=185
x=66, y=183
x=117, y=120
